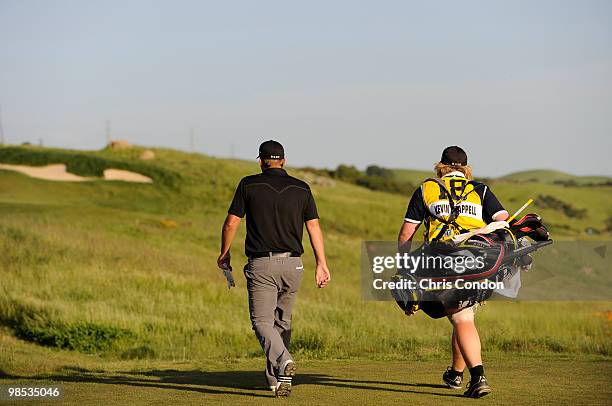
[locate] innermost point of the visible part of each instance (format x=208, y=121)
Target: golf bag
x=502, y=254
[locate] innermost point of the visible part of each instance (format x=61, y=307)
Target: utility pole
x=1, y=129
x=108, y=132
x=191, y=139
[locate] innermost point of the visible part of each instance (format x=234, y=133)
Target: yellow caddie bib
x=436, y=200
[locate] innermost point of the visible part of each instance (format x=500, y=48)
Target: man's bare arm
x=406, y=233
x=322, y=275
x=228, y=232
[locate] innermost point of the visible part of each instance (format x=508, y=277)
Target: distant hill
x=415, y=176
x=553, y=176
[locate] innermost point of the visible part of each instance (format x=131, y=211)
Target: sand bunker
x=126, y=176
x=49, y=172
x=57, y=172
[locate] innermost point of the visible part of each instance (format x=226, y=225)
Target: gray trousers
x=272, y=284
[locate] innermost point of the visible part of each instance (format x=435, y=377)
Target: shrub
x=566, y=182
x=379, y=171
x=374, y=178
x=347, y=173
x=38, y=326
x=551, y=202
x=384, y=184
x=82, y=336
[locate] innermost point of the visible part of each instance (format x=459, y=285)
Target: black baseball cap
x=271, y=150
x=454, y=155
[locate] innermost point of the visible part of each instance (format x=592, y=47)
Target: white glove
x=227, y=272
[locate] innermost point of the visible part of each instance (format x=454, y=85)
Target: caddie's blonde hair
x=444, y=169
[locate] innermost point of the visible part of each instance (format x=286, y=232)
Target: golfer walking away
x=477, y=206
x=277, y=206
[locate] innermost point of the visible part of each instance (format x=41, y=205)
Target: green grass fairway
x=521, y=380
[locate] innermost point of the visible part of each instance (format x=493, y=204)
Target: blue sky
x=519, y=84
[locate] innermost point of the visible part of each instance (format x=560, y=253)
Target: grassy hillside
x=128, y=270
x=411, y=176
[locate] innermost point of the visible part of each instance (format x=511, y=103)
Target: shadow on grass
x=242, y=383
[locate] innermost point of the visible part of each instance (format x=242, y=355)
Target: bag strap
x=454, y=207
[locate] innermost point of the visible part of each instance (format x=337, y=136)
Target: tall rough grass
x=129, y=271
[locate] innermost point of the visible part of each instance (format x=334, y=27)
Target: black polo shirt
x=276, y=206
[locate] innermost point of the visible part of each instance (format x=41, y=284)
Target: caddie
x=476, y=206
